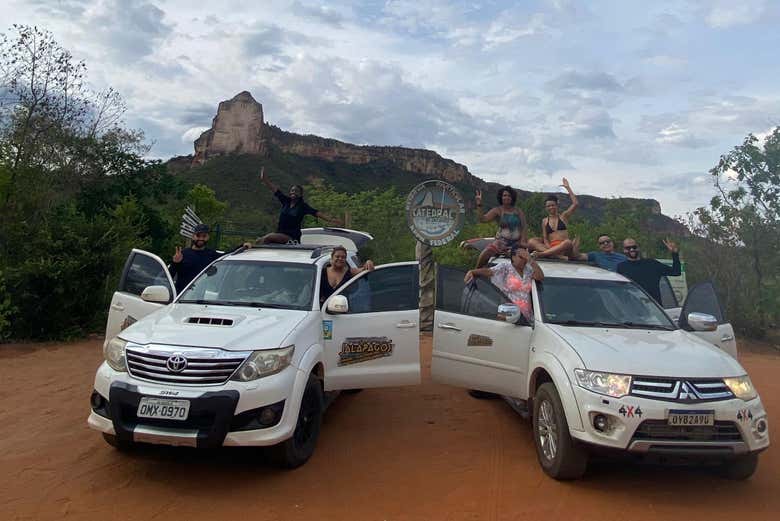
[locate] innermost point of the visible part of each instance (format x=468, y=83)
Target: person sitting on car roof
x=337, y=272
x=513, y=279
x=555, y=241
x=511, y=221
x=607, y=257
x=294, y=209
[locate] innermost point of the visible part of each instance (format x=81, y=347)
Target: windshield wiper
x=212, y=302
x=586, y=323
x=636, y=325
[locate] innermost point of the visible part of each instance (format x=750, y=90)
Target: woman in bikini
x=555, y=240
x=512, y=231
x=337, y=272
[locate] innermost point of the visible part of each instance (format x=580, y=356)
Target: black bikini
x=326, y=290
x=561, y=226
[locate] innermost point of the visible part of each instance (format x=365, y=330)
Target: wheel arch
x=547, y=368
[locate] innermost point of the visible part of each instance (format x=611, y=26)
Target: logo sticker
x=479, y=341
x=327, y=330
x=744, y=415
x=176, y=363
x=630, y=411
x=355, y=350
x=435, y=212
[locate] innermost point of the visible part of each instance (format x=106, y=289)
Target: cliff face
x=236, y=129
x=239, y=128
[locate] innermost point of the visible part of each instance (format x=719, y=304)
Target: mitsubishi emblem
x=686, y=393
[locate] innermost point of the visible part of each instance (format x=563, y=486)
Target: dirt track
x=426, y=452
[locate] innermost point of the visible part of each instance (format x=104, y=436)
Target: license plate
x=691, y=418
x=163, y=409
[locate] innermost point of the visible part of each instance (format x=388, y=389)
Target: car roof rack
x=316, y=250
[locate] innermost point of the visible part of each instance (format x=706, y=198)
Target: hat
x=201, y=228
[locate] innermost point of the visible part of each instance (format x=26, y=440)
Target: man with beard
x=189, y=262
x=648, y=272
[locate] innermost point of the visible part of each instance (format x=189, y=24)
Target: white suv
x=246, y=355
x=603, y=366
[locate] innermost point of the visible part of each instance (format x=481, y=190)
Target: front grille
x=203, y=366
x=660, y=430
x=680, y=390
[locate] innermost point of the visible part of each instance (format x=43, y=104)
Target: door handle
x=448, y=325
x=406, y=324
x=118, y=307
x=727, y=338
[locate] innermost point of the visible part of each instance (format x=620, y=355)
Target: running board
x=519, y=406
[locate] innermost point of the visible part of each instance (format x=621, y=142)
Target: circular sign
x=435, y=212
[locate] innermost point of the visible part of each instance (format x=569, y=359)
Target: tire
x=741, y=467
x=297, y=450
x=482, y=395
x=559, y=455
x=120, y=445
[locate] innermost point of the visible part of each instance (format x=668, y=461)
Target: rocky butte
x=239, y=128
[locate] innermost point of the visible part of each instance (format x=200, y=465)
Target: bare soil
x=416, y=453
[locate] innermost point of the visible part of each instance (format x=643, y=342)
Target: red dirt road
x=417, y=453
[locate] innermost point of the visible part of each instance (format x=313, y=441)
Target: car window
x=253, y=283
x=668, y=298
x=141, y=272
x=602, y=303
x=479, y=298
x=393, y=288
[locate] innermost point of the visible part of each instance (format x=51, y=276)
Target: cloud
x=588, y=122
x=127, y=29
x=678, y=135
x=321, y=13
x=585, y=81
x=727, y=14
x=192, y=134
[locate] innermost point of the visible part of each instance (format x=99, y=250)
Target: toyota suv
x=246, y=355
x=602, y=366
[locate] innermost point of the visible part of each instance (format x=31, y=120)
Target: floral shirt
x=516, y=286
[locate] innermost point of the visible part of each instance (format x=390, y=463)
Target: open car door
x=142, y=269
x=703, y=299
x=473, y=347
x=375, y=340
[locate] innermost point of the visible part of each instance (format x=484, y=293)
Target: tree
x=743, y=219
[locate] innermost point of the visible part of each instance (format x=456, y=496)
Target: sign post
x=435, y=213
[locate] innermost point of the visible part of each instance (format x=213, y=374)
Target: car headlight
x=264, y=363
x=615, y=385
x=742, y=387
x=114, y=353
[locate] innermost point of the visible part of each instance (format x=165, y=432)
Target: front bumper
x=640, y=425
x=219, y=414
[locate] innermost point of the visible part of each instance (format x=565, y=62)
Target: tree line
x=76, y=194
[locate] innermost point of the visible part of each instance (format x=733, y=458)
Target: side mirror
x=509, y=313
x=159, y=294
x=702, y=322
x=338, y=304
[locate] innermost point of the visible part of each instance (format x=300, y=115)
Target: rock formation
x=239, y=128
x=236, y=129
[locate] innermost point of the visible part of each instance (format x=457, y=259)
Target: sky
x=622, y=98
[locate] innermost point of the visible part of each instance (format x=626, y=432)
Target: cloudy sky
x=623, y=98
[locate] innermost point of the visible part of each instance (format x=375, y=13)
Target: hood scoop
x=210, y=321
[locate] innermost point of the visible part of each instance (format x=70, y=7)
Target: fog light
x=268, y=416
x=96, y=400
x=600, y=423
x=761, y=427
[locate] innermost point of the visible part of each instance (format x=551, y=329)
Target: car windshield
x=253, y=283
x=600, y=303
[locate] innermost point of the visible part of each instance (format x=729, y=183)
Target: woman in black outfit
x=337, y=272
x=294, y=209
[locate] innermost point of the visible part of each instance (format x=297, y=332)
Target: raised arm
x=523, y=230
x=487, y=217
x=266, y=181
x=367, y=266
x=574, y=202
x=675, y=269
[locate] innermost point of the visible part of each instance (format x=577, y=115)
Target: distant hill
x=229, y=155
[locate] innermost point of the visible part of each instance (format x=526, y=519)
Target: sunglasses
x=631, y=248
x=606, y=241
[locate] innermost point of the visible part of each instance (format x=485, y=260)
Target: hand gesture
x=523, y=254
x=565, y=184
x=671, y=246
x=369, y=265
x=478, y=197
x=469, y=276
x=247, y=245
x=178, y=256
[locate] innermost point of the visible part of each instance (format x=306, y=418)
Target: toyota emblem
x=176, y=363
